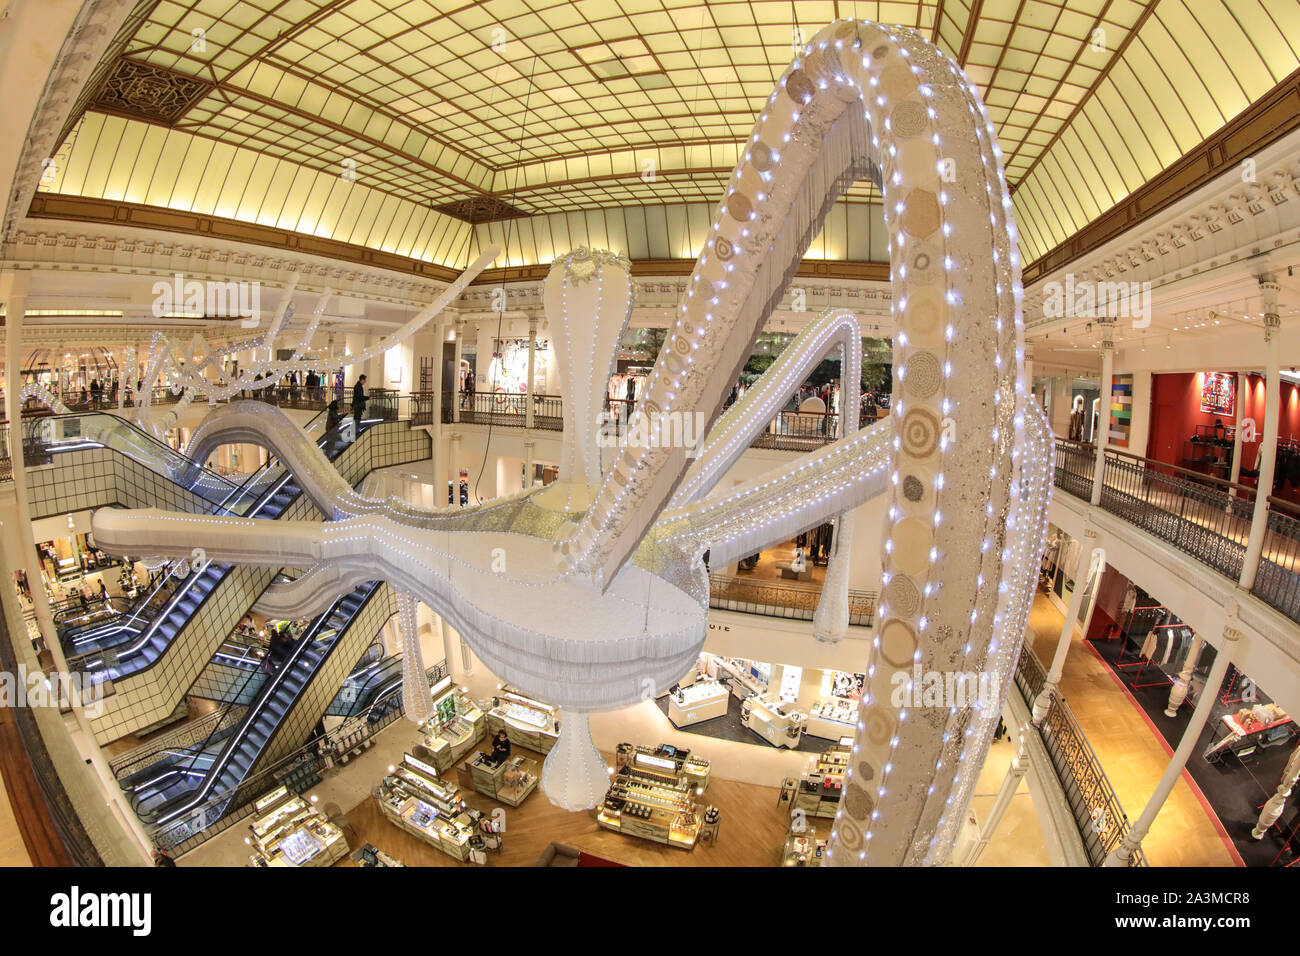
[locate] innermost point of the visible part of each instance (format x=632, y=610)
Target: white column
x=1273, y=808
x=1107, y=329
x=532, y=364
x=1268, y=291
x=1178, y=692
x=529, y=447
x=435, y=430
x=453, y=459
x=455, y=373
x=1121, y=855
x=1010, y=784
x=1044, y=699
x=1242, y=383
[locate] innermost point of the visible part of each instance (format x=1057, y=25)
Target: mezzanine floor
x=1186, y=832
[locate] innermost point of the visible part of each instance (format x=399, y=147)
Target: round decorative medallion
x=903, y=596
x=913, y=490
x=897, y=643
x=880, y=52
x=913, y=538
x=850, y=834
x=740, y=207
x=682, y=345
x=921, y=215
x=760, y=156
x=879, y=724
x=723, y=247
x=897, y=81
x=799, y=87
x=866, y=771
x=858, y=802
x=908, y=119
x=920, y=432
x=923, y=374
x=925, y=316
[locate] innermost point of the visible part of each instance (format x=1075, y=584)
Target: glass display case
x=456, y=726
x=414, y=799
x=652, y=806
x=832, y=717
x=822, y=785
x=665, y=759
x=289, y=831
x=527, y=722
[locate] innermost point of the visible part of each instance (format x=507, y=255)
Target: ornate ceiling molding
x=94, y=29
x=1235, y=221
x=142, y=91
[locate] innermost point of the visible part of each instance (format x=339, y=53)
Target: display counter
x=777, y=722
x=455, y=727
x=820, y=788
x=289, y=831
x=651, y=807
x=743, y=683
x=832, y=718
x=703, y=700
x=802, y=848
x=413, y=799
x=510, y=781
x=527, y=722
x=664, y=760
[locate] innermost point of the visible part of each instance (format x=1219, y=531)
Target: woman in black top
x=500, y=747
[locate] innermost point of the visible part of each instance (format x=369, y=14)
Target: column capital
x=1232, y=634
x=1106, y=326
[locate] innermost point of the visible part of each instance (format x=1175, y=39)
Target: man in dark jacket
x=359, y=401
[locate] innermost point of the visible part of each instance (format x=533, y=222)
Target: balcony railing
x=1097, y=812
x=1202, y=516
x=778, y=599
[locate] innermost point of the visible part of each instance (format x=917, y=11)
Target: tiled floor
x=1185, y=833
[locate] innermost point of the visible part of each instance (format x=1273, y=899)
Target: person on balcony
x=359, y=401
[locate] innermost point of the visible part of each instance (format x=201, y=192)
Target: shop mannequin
x=1076, y=419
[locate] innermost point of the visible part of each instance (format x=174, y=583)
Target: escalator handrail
x=201, y=793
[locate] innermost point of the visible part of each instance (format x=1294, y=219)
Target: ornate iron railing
x=1097, y=811
x=1277, y=579
x=777, y=599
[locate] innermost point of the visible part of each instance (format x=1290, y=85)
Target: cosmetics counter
x=745, y=677
x=703, y=700
x=821, y=786
x=656, y=806
x=455, y=727
x=832, y=718
x=289, y=831
x=509, y=782
x=527, y=722
x=414, y=799
x=665, y=760
x=781, y=724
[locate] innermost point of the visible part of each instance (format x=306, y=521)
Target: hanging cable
x=501, y=313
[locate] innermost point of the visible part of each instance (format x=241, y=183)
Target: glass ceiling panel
x=557, y=107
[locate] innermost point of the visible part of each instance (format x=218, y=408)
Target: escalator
x=221, y=495
x=282, y=490
x=371, y=683
x=208, y=783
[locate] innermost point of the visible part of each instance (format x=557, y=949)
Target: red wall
x=1288, y=425
x=1175, y=413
